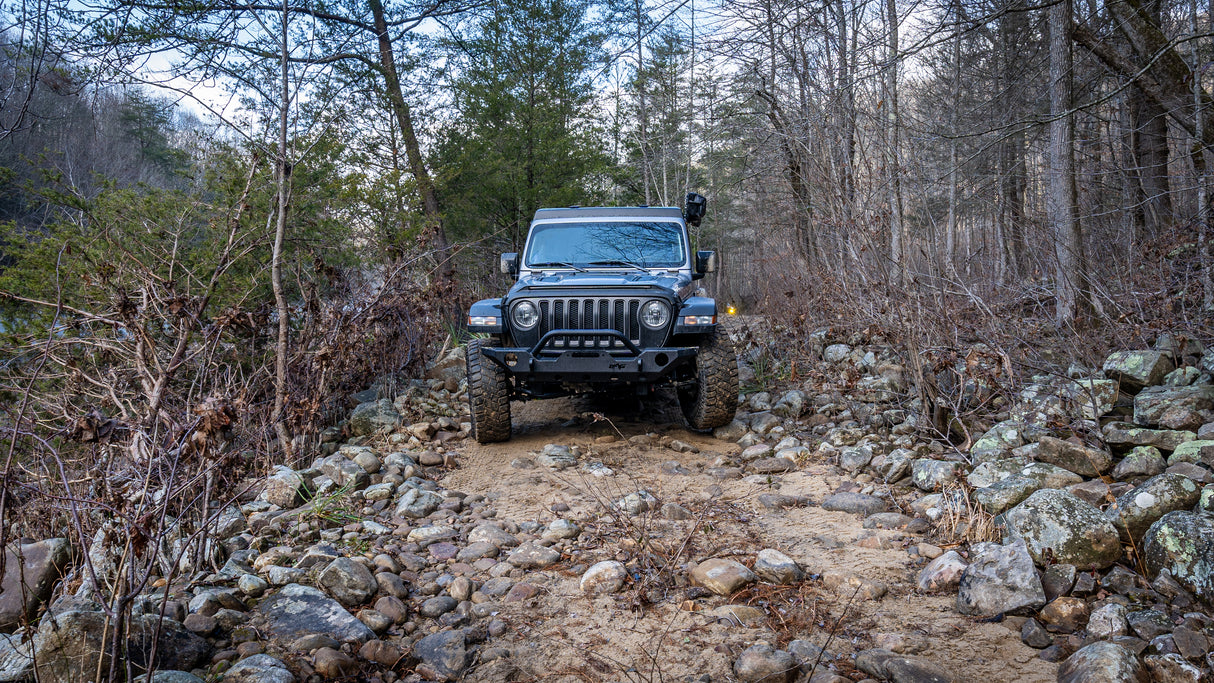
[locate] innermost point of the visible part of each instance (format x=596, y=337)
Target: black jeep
x=604, y=300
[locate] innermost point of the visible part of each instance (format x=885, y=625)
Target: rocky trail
x=823, y=536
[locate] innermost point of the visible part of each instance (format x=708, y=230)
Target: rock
x=722, y=576
x=1006, y=493
x=676, y=511
x=993, y=471
x=896, y=465
x=1171, y=668
x=443, y=655
x=855, y=458
x=998, y=441
x=848, y=584
x=556, y=457
x=942, y=573
x=1058, y=527
x=331, y=663
x=1033, y=634
x=1051, y=476
x=30, y=573
x=344, y=473
x=1127, y=435
x=790, y=405
x=1181, y=408
x=1182, y=377
x=259, y=669
x=764, y=422
x=1183, y=543
x=1149, y=624
x=437, y=606
x=380, y=652
x=932, y=475
x=1137, y=509
x=349, y=582
x=532, y=556
x=730, y=432
x=1058, y=580
x=298, y=610
x=836, y=353
x=1108, y=621
x=69, y=644
x=1101, y=662
x=417, y=503
x=607, y=576
x=1065, y=615
x=284, y=488
x=370, y=417
x=634, y=504
x=1138, y=369
x=739, y=615
x=772, y=465
x=889, y=666
x=761, y=662
x=168, y=677
x=1088, y=462
x=1141, y=461
x=487, y=533
x=756, y=452
x=999, y=579
x=774, y=566
x=856, y=503
x=1094, y=492
x=1193, y=451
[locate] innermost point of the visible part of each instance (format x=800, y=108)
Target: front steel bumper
x=589, y=365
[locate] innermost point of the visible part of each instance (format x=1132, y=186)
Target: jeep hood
x=614, y=280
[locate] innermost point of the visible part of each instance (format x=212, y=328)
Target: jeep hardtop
x=603, y=302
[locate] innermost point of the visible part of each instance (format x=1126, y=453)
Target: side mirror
x=697, y=206
x=706, y=261
x=509, y=263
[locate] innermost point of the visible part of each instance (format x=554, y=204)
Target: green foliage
x=524, y=136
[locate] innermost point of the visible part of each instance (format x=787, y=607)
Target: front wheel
x=713, y=400
x=488, y=395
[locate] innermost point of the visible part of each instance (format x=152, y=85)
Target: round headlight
x=526, y=315
x=655, y=314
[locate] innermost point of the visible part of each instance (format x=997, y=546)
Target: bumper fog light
x=700, y=320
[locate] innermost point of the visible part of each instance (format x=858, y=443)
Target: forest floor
x=652, y=632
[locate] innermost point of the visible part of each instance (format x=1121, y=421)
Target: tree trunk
x=1071, y=277
x=283, y=181
x=897, y=249
x=1012, y=177
x=1151, y=160
x=417, y=164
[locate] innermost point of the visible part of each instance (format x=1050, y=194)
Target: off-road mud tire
x=713, y=400
x=488, y=395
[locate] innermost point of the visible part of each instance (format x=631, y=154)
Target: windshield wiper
x=556, y=264
x=616, y=262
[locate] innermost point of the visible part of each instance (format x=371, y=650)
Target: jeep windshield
x=607, y=244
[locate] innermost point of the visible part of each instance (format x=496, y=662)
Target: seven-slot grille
x=619, y=314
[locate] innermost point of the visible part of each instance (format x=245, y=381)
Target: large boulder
x=70, y=643
x=1137, y=509
x=372, y=416
x=1183, y=543
x=1059, y=527
x=999, y=578
x=298, y=610
x=1181, y=408
x=30, y=573
x=1138, y=369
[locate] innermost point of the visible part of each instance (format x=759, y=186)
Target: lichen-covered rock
x=1141, y=461
x=284, y=488
x=1138, y=369
x=1182, y=408
x=298, y=610
x=932, y=475
x=999, y=579
x=1201, y=451
x=30, y=573
x=1102, y=662
x=1137, y=509
x=722, y=576
x=370, y=417
x=855, y=458
x=1183, y=543
x=1006, y=493
x=895, y=465
x=998, y=441
x=1124, y=435
x=991, y=471
x=1077, y=458
x=1108, y=621
x=1059, y=527
x=1051, y=476
x=1064, y=399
